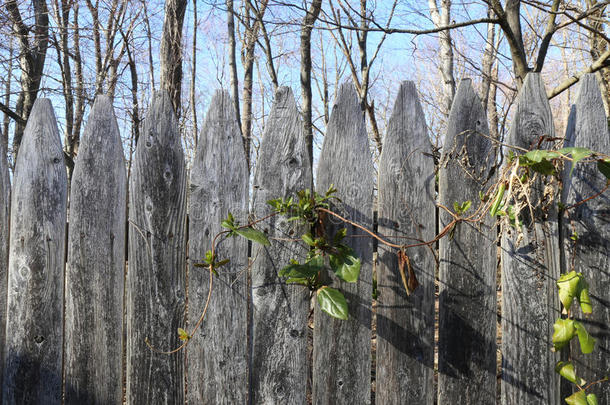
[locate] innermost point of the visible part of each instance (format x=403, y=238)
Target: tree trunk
x=31, y=59
x=194, y=72
x=250, y=39
x=442, y=19
x=79, y=108
x=232, y=60
x=62, y=16
x=598, y=47
x=306, y=28
x=7, y=98
x=171, y=50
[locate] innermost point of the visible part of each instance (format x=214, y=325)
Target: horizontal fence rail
x=93, y=327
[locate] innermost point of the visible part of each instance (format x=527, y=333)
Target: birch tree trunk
x=441, y=19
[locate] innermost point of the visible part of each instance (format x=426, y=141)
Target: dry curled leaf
x=411, y=283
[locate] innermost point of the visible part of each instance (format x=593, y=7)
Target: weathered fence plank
x=157, y=249
x=405, y=324
x=342, y=349
x=95, y=268
x=279, y=311
x=467, y=343
x=530, y=268
x=591, y=253
x=5, y=203
x=32, y=368
x=217, y=356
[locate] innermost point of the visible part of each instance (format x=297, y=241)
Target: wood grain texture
x=591, y=254
x=405, y=324
x=32, y=368
x=96, y=264
x=342, y=349
x=217, y=356
x=467, y=294
x=279, y=311
x=5, y=204
x=530, y=268
x=156, y=275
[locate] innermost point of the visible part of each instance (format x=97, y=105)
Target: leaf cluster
x=572, y=287
x=326, y=252
x=304, y=208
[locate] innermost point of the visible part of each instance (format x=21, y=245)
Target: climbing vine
x=510, y=199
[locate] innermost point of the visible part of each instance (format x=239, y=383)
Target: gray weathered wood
x=217, y=355
x=405, y=324
x=530, y=268
x=467, y=294
x=96, y=264
x=342, y=349
x=156, y=274
x=32, y=368
x=588, y=128
x=5, y=203
x=279, y=311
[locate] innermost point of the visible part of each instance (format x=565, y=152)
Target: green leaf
x=345, y=264
x=583, y=297
x=545, y=167
x=539, y=161
x=568, y=288
x=577, y=153
x=209, y=257
x=592, y=399
x=604, y=167
x=332, y=302
x=466, y=206
x=573, y=285
x=183, y=335
x=563, y=332
x=578, y=398
x=254, y=235
x=221, y=263
x=495, y=206
x=566, y=370
x=298, y=280
x=538, y=155
x=307, y=238
x=587, y=342
x=461, y=208
x=340, y=235
x=306, y=270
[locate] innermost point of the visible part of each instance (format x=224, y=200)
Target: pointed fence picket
x=95, y=267
x=530, y=269
x=279, y=368
x=5, y=203
x=157, y=249
x=589, y=225
x=405, y=324
x=34, y=317
x=342, y=349
x=254, y=344
x=467, y=274
x=217, y=358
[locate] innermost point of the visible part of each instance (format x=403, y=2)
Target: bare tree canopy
x=70, y=51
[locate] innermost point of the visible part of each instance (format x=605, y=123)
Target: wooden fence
x=78, y=329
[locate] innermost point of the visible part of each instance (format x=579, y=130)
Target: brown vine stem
x=589, y=198
x=209, y=297
x=601, y=380
x=442, y=233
